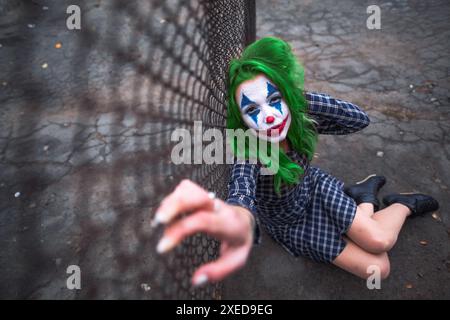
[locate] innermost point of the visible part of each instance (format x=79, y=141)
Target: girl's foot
x=418, y=203
x=367, y=190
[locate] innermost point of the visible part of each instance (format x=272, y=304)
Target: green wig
x=273, y=57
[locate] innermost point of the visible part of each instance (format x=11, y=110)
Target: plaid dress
x=311, y=217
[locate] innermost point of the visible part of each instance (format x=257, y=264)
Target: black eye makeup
x=274, y=97
x=251, y=109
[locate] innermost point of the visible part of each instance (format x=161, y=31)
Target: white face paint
x=263, y=109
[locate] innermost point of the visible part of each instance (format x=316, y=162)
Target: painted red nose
x=270, y=119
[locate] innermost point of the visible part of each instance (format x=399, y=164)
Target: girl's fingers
x=216, y=271
x=224, y=248
x=211, y=216
x=202, y=221
x=187, y=196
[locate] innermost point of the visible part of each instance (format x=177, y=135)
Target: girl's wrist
x=251, y=219
x=252, y=223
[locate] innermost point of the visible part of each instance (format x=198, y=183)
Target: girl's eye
x=275, y=100
x=251, y=110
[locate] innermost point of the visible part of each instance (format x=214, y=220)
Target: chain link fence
x=85, y=137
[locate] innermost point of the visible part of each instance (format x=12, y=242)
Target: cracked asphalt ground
x=401, y=76
x=65, y=199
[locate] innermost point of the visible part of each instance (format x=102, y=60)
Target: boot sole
x=366, y=178
x=409, y=193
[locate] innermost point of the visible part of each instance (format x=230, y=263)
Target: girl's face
x=263, y=109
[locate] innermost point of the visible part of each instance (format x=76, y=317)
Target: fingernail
x=160, y=218
x=201, y=279
x=164, y=245
x=157, y=220
x=211, y=195
x=154, y=223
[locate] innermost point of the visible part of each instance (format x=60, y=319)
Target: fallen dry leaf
x=436, y=217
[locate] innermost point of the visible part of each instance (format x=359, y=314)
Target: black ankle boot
x=418, y=203
x=366, y=190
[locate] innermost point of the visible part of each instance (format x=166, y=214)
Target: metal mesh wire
x=91, y=153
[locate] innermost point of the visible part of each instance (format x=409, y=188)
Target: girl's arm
x=242, y=190
x=334, y=116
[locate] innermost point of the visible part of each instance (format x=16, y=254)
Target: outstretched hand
x=232, y=225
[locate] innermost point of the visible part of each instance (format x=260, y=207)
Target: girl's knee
x=379, y=266
x=385, y=268
x=379, y=242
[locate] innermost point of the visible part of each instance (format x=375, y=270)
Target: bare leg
x=367, y=208
x=379, y=232
x=392, y=217
x=356, y=260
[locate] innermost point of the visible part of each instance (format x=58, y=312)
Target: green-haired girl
x=306, y=210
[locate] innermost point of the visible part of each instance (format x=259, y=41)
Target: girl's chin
x=276, y=139
x=271, y=138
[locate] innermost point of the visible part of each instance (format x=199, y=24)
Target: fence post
x=250, y=34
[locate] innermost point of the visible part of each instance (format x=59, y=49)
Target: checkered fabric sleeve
x=242, y=190
x=334, y=116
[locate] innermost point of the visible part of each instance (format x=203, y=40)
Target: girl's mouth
x=276, y=130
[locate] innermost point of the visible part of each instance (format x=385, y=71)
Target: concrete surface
x=82, y=164
x=400, y=75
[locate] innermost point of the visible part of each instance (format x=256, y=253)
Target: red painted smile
x=276, y=130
